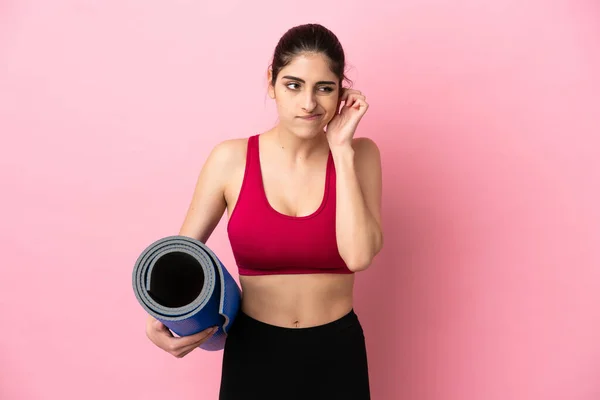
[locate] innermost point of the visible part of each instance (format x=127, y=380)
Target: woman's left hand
x=342, y=126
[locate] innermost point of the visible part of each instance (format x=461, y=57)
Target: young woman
x=303, y=201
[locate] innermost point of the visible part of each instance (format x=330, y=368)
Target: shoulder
x=366, y=151
x=228, y=154
x=224, y=159
x=230, y=150
x=364, y=144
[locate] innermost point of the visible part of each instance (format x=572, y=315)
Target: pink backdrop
x=487, y=114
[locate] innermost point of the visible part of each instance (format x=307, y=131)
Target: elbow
x=358, y=261
x=357, y=264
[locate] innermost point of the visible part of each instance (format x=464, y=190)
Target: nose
x=308, y=101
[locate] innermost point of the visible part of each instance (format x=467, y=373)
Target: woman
x=303, y=201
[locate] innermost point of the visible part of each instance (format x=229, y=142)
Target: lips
x=310, y=117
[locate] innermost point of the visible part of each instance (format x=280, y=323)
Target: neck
x=297, y=147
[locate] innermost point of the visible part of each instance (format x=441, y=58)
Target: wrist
x=342, y=151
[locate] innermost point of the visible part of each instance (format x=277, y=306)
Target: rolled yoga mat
x=181, y=282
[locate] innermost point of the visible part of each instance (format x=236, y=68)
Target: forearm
x=358, y=233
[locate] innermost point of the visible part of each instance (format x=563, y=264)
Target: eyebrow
x=303, y=81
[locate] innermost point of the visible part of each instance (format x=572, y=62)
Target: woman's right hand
x=179, y=347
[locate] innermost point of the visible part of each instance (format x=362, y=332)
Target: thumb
x=159, y=326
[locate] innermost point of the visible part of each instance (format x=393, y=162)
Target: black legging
x=265, y=362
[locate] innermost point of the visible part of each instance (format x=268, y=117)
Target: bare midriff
x=297, y=301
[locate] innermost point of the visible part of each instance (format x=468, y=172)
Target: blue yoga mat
x=181, y=282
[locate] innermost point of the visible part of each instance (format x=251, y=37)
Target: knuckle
x=172, y=347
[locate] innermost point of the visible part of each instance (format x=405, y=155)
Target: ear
x=340, y=97
x=271, y=89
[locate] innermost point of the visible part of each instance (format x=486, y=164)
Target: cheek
x=284, y=109
x=285, y=102
x=331, y=105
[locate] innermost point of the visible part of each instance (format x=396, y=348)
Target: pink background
x=488, y=117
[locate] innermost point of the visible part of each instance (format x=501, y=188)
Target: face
x=306, y=93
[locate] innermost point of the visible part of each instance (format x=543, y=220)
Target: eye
x=291, y=84
x=327, y=89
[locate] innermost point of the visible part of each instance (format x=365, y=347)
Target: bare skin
x=293, y=156
x=290, y=300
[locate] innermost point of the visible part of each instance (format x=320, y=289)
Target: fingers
x=348, y=92
x=354, y=98
x=356, y=101
x=183, y=345
x=195, y=339
x=178, y=346
x=160, y=327
x=156, y=328
x=184, y=351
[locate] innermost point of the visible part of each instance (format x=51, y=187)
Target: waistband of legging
x=244, y=321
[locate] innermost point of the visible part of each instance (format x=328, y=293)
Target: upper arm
x=368, y=171
x=208, y=201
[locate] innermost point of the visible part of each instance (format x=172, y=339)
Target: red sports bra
x=265, y=241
